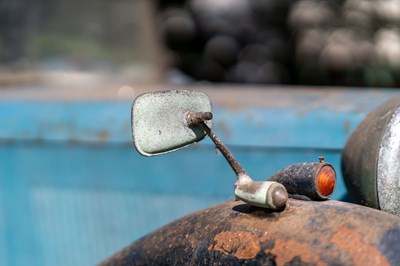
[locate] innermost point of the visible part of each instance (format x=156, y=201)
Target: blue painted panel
x=65, y=121
x=21, y=239
x=84, y=202
x=82, y=226
x=285, y=128
x=120, y=167
x=321, y=121
x=3, y=228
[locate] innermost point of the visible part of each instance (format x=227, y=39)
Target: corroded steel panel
x=306, y=232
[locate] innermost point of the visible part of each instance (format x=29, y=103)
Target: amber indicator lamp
x=326, y=181
x=313, y=180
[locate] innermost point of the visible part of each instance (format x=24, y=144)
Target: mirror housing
x=159, y=122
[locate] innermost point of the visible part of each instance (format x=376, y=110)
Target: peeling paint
x=362, y=253
x=304, y=233
x=241, y=244
x=287, y=250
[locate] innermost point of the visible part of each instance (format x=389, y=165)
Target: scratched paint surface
x=260, y=118
x=304, y=233
x=66, y=165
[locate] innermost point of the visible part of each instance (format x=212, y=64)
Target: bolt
x=195, y=118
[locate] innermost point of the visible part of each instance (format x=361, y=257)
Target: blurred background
x=72, y=188
x=307, y=42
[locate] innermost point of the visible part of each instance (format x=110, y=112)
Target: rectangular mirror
x=159, y=120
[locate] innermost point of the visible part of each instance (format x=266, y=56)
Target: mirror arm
x=198, y=119
x=237, y=168
x=264, y=194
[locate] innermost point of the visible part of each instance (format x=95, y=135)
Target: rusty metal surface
x=195, y=118
x=306, y=232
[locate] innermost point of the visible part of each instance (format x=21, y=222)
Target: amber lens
x=326, y=180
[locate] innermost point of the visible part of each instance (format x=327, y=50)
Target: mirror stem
x=225, y=151
x=264, y=194
x=198, y=119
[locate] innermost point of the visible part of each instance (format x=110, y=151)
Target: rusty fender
x=305, y=232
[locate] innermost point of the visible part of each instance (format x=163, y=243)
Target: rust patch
x=241, y=244
x=305, y=232
x=286, y=250
x=360, y=251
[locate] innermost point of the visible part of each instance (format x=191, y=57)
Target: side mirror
x=170, y=120
x=166, y=121
x=159, y=120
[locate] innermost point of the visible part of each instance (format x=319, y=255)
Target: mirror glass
x=159, y=120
